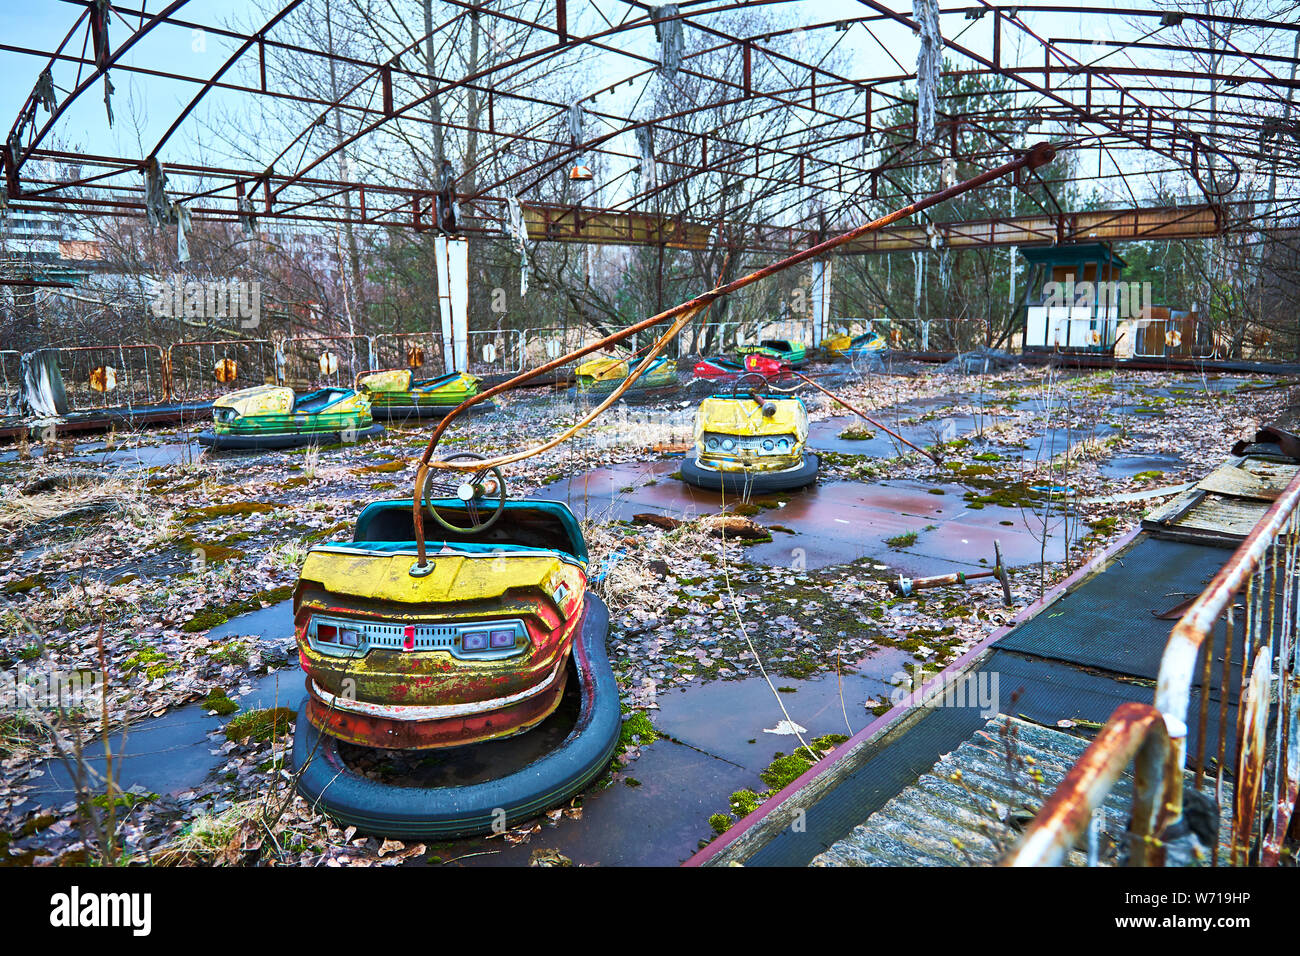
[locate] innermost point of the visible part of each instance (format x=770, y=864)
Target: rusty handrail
x=1178, y=664
x=1134, y=731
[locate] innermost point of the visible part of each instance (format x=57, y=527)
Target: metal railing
x=192, y=371
x=113, y=375
x=200, y=371
x=1257, y=752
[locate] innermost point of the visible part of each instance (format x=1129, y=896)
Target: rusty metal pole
x=1039, y=155
x=933, y=456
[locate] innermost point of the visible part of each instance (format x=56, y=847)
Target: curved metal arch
x=288, y=8
x=85, y=84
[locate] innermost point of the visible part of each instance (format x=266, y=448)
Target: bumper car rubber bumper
x=274, y=440
x=753, y=482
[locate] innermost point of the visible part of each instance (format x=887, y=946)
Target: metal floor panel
x=1110, y=620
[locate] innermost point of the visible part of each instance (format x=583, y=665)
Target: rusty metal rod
x=933, y=456
x=1039, y=155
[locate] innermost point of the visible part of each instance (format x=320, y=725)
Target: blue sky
x=43, y=23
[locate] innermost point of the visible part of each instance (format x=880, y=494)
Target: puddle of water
x=722, y=717
x=271, y=623
x=659, y=821
x=140, y=457
x=1128, y=466
x=170, y=754
x=824, y=435
x=837, y=522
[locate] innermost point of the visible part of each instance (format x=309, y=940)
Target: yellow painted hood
x=392, y=380
x=603, y=369
x=385, y=577
x=259, y=400
x=744, y=416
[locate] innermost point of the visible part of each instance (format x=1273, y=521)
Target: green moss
x=260, y=725
x=1148, y=475
x=212, y=512
x=720, y=822
x=122, y=801
x=1104, y=525
x=204, y=620
x=210, y=617
x=801, y=668
x=746, y=508
x=23, y=585
x=213, y=552
x=320, y=534
x=232, y=652
x=987, y=456
x=905, y=540
x=31, y=652
x=744, y=802
x=637, y=731
x=148, y=658
x=218, y=700
x=386, y=467
x=857, y=433
x=783, y=770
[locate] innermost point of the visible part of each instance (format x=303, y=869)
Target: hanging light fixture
x=580, y=174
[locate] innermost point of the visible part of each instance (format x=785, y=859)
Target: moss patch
x=212, y=512
x=218, y=700
x=857, y=433
x=260, y=725
x=386, y=467
x=637, y=731
x=783, y=770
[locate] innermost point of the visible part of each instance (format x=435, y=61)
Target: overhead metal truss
x=1181, y=92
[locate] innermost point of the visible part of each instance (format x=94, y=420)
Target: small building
x=1074, y=298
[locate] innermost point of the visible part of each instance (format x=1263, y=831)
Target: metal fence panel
x=201, y=371
x=311, y=362
x=113, y=376
x=11, y=381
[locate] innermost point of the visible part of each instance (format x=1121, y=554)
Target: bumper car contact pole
x=933, y=456
x=1038, y=155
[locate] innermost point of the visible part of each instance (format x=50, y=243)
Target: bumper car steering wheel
x=476, y=489
x=743, y=386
